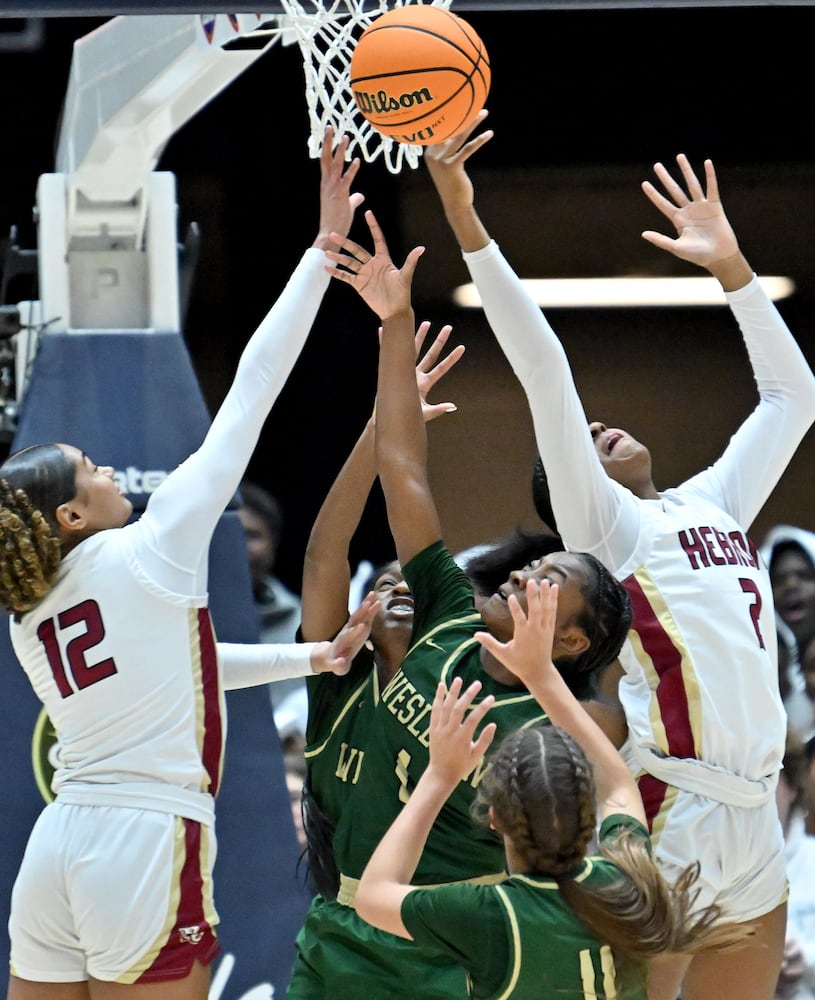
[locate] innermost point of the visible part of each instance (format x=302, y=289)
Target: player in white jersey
x=700, y=689
x=110, y=622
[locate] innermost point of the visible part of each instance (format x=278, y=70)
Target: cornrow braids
x=541, y=789
x=572, y=762
x=33, y=483
x=541, y=498
x=606, y=618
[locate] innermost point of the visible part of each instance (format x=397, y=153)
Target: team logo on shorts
x=190, y=935
x=44, y=754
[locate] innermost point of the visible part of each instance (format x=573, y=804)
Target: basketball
x=419, y=74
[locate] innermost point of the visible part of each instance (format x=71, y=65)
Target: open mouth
x=400, y=606
x=793, y=612
x=612, y=441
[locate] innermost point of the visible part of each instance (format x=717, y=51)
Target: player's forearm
x=246, y=665
x=468, y=229
x=611, y=774
x=732, y=273
x=401, y=436
x=344, y=504
x=326, y=570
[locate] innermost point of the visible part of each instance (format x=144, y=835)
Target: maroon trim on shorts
x=191, y=939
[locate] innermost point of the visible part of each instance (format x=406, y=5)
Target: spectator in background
x=277, y=607
x=797, y=979
x=790, y=555
x=795, y=693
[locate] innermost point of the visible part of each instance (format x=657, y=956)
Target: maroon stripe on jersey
x=667, y=659
x=652, y=792
x=213, y=728
x=191, y=938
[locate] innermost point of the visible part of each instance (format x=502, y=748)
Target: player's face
x=793, y=579
x=395, y=613
x=565, y=569
x=98, y=499
x=625, y=460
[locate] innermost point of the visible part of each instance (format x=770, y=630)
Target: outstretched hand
x=446, y=164
x=336, y=656
x=429, y=370
x=337, y=204
x=454, y=752
x=380, y=283
x=704, y=236
x=528, y=654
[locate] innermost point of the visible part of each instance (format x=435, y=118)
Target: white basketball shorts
x=122, y=895
x=740, y=851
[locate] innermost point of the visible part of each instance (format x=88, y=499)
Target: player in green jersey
x=562, y=923
x=340, y=955
x=338, y=711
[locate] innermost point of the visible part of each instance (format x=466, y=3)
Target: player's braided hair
x=541, y=497
x=606, y=618
x=540, y=786
x=323, y=876
x=33, y=483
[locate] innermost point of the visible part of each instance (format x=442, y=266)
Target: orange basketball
x=419, y=74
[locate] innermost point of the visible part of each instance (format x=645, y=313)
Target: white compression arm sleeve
x=246, y=665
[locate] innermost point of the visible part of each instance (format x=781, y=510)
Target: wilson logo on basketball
x=380, y=103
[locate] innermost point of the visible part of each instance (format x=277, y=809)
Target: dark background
x=584, y=100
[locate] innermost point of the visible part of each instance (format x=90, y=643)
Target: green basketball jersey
x=339, y=710
x=521, y=939
x=383, y=753
x=397, y=740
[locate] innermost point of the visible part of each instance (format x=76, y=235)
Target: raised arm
x=529, y=656
x=585, y=516
x=401, y=436
x=445, y=163
x=704, y=235
x=249, y=664
x=326, y=569
x=181, y=515
x=454, y=753
x=784, y=379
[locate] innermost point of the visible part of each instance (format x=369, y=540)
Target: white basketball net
x=327, y=31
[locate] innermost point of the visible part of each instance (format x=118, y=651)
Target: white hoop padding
x=327, y=32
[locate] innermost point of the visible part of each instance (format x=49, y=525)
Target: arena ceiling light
x=586, y=293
